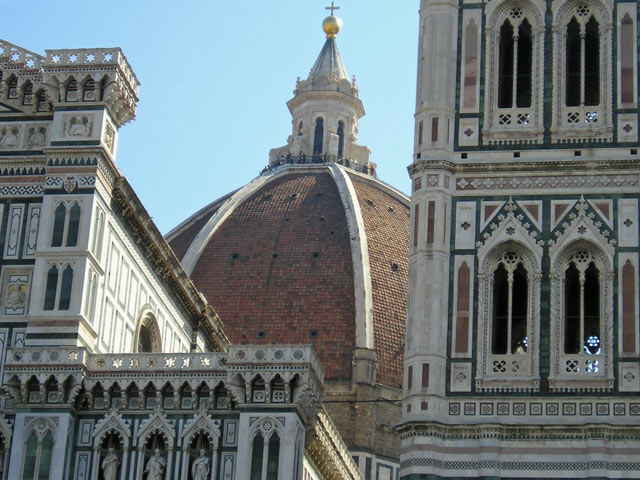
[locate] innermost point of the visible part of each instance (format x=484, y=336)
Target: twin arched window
x=509, y=329
x=582, y=329
x=265, y=455
x=58, y=288
x=66, y=224
x=581, y=312
x=515, y=62
x=515, y=69
x=36, y=463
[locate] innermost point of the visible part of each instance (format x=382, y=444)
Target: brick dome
x=313, y=254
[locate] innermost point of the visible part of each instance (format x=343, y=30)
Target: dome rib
x=359, y=256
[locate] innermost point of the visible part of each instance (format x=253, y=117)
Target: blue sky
x=216, y=77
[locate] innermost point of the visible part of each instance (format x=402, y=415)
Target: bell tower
x=522, y=320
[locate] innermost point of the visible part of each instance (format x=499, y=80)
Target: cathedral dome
x=307, y=254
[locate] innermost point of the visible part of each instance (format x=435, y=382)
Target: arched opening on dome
x=340, y=138
x=318, y=136
x=147, y=339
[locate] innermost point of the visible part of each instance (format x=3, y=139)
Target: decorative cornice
x=329, y=453
x=478, y=431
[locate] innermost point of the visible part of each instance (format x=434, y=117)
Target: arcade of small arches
x=145, y=394
x=40, y=97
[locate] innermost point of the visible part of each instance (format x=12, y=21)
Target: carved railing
x=20, y=56
x=238, y=355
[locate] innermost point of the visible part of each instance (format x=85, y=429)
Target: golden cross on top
x=332, y=8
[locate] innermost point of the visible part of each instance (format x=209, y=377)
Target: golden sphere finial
x=331, y=26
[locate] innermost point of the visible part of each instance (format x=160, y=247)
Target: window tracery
x=581, y=286
x=265, y=450
x=514, y=76
x=37, y=456
x=582, y=72
x=508, y=318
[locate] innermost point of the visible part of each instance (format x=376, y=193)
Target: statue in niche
x=155, y=466
x=78, y=126
x=9, y=137
x=200, y=468
x=36, y=137
x=110, y=465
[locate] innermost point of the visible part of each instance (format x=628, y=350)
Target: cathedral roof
x=312, y=254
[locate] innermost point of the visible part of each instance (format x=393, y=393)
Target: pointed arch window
x=66, y=225
x=582, y=326
x=516, y=48
x=583, y=61
x=41, y=99
x=318, y=136
x=72, y=91
x=37, y=459
x=509, y=285
x=515, y=73
x=582, y=71
x=265, y=457
x=58, y=288
x=13, y=88
x=582, y=317
x=27, y=94
x=89, y=91
x=509, y=330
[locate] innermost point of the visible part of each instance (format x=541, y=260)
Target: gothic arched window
x=72, y=91
x=582, y=316
x=514, y=77
x=27, y=94
x=582, y=72
x=583, y=63
x=582, y=306
x=257, y=453
x=509, y=285
x=509, y=330
x=89, y=91
x=74, y=225
x=515, y=62
x=36, y=462
x=13, y=88
x=265, y=452
x=58, y=225
x=318, y=136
